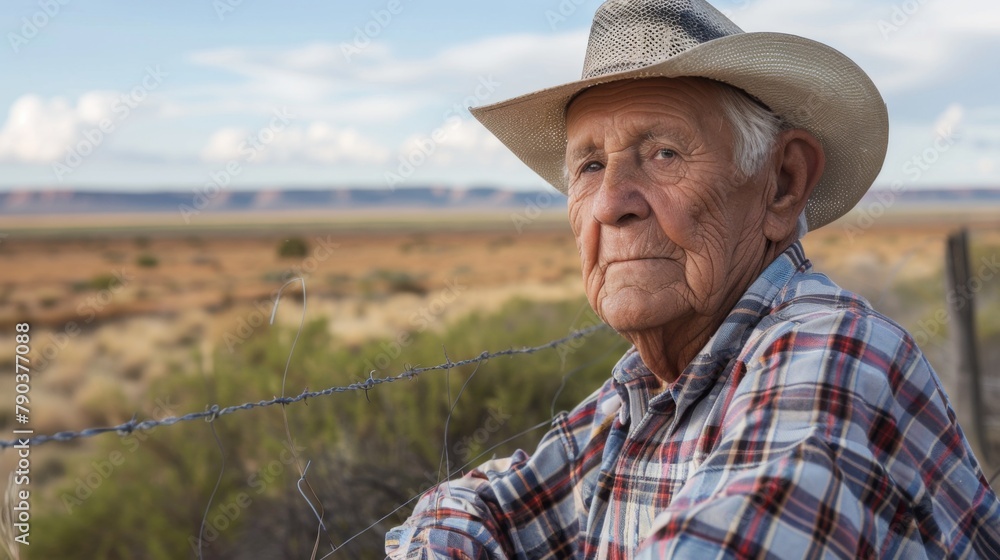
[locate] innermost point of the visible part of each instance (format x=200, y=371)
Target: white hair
x=755, y=135
x=755, y=129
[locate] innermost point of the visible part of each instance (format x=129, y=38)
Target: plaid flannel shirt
x=810, y=426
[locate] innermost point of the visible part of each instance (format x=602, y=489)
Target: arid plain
x=113, y=307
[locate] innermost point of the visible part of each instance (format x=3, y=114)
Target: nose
x=620, y=200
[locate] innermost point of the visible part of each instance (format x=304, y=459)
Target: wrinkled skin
x=670, y=234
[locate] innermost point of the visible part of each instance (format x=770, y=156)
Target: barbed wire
x=215, y=411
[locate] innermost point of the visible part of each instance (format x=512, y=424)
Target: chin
x=625, y=314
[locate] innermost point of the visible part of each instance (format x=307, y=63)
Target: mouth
x=632, y=259
x=608, y=264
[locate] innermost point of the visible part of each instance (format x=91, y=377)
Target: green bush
x=293, y=247
x=146, y=260
x=97, y=283
x=369, y=452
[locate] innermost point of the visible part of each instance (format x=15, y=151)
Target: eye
x=591, y=167
x=665, y=153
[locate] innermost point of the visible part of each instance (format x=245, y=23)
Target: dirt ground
x=54, y=279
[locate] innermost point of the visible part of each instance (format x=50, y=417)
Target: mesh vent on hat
x=628, y=35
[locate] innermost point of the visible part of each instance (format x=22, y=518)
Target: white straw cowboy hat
x=808, y=84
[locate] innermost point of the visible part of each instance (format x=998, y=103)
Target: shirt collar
x=635, y=380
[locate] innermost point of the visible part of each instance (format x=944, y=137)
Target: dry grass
x=137, y=323
x=12, y=549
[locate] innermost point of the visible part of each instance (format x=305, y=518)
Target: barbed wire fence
x=216, y=411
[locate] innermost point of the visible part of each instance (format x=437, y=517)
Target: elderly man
x=763, y=412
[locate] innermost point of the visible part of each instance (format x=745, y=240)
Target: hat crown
x=632, y=34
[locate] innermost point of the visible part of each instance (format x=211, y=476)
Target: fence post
x=961, y=300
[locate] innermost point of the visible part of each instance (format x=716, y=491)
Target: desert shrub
x=293, y=247
x=392, y=282
x=147, y=260
x=275, y=276
x=369, y=452
x=99, y=282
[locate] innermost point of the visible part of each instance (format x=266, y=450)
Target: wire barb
x=369, y=384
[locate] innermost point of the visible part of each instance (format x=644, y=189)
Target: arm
x=824, y=453
x=515, y=507
x=459, y=519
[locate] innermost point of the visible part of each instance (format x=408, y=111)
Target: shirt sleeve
x=838, y=443
x=522, y=506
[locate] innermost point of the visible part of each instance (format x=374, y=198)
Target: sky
x=260, y=94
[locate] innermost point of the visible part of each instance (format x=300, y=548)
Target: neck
x=667, y=350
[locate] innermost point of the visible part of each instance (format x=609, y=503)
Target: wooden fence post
x=962, y=313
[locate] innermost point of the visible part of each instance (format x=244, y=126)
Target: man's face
x=666, y=226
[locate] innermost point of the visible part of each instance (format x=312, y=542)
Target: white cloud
x=224, y=145
x=378, y=105
x=318, y=142
x=524, y=62
x=463, y=145
x=379, y=84
x=40, y=131
x=302, y=74
x=368, y=109
x=947, y=124
x=902, y=48
x=958, y=147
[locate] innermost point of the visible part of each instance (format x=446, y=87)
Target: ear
x=799, y=162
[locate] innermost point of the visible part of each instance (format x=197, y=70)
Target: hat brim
x=811, y=85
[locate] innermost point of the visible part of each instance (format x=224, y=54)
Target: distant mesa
x=58, y=202
x=62, y=201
